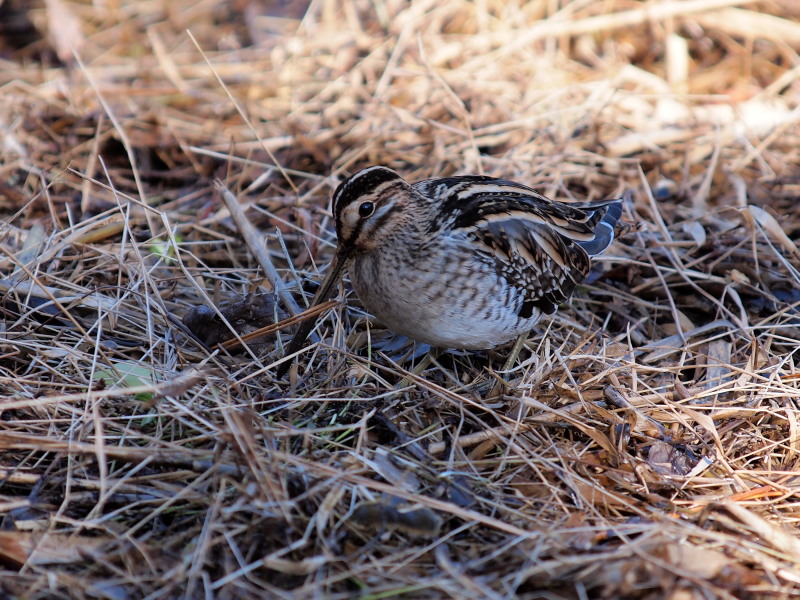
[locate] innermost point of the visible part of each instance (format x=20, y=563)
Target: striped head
x=370, y=205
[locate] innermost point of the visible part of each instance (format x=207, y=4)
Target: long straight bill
x=324, y=292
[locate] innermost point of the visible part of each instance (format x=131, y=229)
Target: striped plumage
x=461, y=262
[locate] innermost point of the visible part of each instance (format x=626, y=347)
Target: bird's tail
x=606, y=215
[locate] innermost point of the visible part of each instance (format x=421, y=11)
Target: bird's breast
x=446, y=296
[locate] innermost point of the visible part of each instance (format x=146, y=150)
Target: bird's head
x=369, y=206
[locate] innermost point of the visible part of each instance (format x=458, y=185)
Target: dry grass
x=645, y=442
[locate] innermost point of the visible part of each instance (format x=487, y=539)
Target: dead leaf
x=64, y=29
x=245, y=315
x=666, y=459
x=413, y=520
x=696, y=230
x=703, y=562
x=596, y=495
x=20, y=547
x=767, y=532
x=771, y=226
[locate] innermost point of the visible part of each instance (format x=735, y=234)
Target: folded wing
x=538, y=245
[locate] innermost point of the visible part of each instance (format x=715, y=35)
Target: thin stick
x=314, y=311
x=254, y=241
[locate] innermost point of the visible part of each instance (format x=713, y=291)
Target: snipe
x=465, y=262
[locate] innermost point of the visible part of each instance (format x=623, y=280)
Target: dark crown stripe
x=363, y=183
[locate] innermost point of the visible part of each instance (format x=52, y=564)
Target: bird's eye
x=366, y=209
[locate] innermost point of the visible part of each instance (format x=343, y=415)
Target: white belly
x=465, y=305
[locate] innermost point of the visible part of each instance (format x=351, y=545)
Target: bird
x=463, y=262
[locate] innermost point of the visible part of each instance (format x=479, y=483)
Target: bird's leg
x=515, y=350
x=502, y=382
